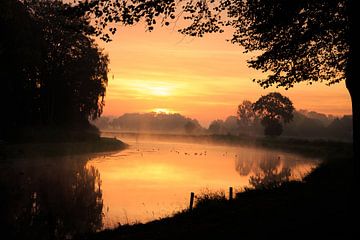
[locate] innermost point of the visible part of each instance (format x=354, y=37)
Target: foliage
x=20, y=59
x=274, y=106
x=208, y=198
x=54, y=72
x=76, y=65
x=297, y=40
x=217, y=127
x=151, y=122
x=231, y=125
x=106, y=13
x=246, y=115
x=273, y=109
x=273, y=127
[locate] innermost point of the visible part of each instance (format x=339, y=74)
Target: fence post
x=230, y=193
x=191, y=200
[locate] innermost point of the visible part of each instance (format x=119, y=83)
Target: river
x=154, y=178
x=149, y=180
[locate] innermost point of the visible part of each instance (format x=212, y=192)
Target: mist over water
x=151, y=179
x=154, y=178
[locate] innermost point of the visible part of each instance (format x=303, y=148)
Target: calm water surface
x=54, y=198
x=153, y=179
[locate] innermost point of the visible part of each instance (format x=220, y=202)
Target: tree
x=297, y=41
x=231, y=125
x=273, y=109
x=75, y=71
x=53, y=72
x=246, y=115
x=20, y=58
x=216, y=127
x=189, y=127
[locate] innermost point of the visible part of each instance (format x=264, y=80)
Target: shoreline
x=317, y=202
x=306, y=147
x=318, y=206
x=52, y=149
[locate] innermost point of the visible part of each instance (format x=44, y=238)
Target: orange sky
x=203, y=78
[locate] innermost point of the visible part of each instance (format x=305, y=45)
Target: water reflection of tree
x=266, y=173
x=52, y=199
x=270, y=176
x=244, y=167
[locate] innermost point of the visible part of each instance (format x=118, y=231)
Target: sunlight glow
x=145, y=88
x=162, y=110
x=204, y=78
x=159, y=90
x=153, y=179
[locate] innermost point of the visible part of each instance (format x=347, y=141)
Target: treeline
x=305, y=124
x=53, y=74
x=151, y=123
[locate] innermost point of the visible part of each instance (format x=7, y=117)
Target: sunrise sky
x=203, y=78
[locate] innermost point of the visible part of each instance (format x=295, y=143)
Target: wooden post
x=230, y=194
x=192, y=195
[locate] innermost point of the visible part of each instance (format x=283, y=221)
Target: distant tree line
x=53, y=74
x=305, y=124
x=273, y=115
x=152, y=122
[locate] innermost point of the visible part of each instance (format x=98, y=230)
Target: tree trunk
x=356, y=119
x=352, y=75
x=353, y=196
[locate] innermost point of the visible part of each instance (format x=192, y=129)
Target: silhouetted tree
x=297, y=41
x=20, y=62
x=53, y=72
x=341, y=128
x=75, y=68
x=273, y=109
x=246, y=115
x=107, y=12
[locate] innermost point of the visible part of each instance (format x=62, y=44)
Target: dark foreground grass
x=318, y=207
x=52, y=149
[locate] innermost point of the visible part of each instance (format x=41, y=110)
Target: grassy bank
x=317, y=207
x=51, y=149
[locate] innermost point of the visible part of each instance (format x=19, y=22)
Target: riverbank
x=52, y=149
x=320, y=148
x=316, y=207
